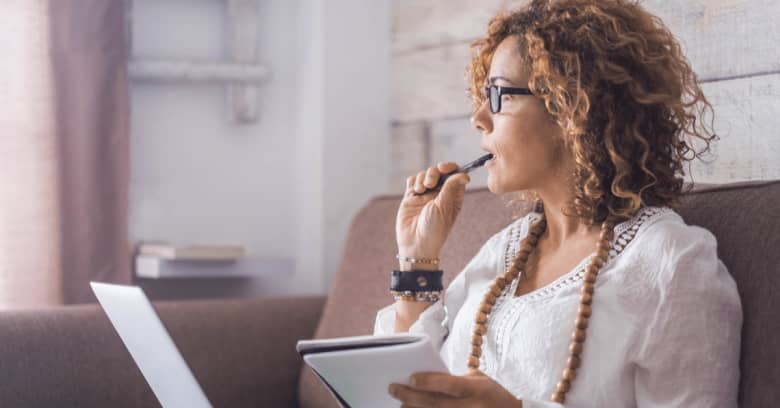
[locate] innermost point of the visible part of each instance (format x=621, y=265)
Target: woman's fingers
x=441, y=383
x=417, y=398
x=418, y=183
x=447, y=167
x=409, y=185
x=454, y=189
x=431, y=177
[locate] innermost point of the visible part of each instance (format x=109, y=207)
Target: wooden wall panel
x=731, y=44
x=720, y=37
x=430, y=85
x=431, y=23
x=747, y=119
x=409, y=154
x=724, y=38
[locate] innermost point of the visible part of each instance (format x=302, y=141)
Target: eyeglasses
x=495, y=92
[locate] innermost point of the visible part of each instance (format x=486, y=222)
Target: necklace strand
x=583, y=312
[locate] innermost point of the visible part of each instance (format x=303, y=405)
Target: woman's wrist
x=428, y=262
x=408, y=266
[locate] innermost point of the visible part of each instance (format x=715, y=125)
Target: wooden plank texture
x=430, y=84
x=747, y=119
x=722, y=39
x=429, y=23
x=409, y=151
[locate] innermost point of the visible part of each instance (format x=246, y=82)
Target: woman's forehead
x=507, y=62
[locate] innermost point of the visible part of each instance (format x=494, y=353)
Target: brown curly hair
x=615, y=79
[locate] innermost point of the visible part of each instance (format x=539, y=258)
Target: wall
x=285, y=187
x=732, y=46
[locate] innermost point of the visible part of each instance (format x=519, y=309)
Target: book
x=358, y=370
x=192, y=252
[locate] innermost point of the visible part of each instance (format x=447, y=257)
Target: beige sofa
x=243, y=351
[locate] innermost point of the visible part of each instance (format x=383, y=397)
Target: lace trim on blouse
x=624, y=235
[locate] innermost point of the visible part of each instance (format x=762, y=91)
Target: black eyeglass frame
x=494, y=95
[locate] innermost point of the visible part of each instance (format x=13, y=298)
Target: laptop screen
x=153, y=350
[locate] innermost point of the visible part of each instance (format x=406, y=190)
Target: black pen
x=467, y=168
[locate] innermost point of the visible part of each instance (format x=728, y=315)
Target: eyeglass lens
x=495, y=99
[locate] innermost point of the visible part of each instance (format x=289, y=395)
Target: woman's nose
x=481, y=120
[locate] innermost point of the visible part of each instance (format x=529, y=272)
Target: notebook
x=358, y=370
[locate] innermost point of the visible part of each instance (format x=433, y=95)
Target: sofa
x=242, y=352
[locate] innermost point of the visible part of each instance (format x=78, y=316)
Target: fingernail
x=391, y=389
x=412, y=381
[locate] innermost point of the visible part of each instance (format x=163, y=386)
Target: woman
x=602, y=296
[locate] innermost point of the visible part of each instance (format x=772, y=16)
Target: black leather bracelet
x=416, y=281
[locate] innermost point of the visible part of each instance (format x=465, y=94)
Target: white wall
x=286, y=187
x=356, y=144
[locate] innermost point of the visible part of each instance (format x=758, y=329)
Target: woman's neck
x=561, y=227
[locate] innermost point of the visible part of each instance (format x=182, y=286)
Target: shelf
x=192, y=71
x=150, y=267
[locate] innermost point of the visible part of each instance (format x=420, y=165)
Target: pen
x=467, y=168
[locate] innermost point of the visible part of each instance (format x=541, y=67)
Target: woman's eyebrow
x=496, y=78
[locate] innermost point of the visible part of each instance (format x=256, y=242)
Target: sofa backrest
x=745, y=218
x=241, y=351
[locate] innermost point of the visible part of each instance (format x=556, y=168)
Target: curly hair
x=615, y=79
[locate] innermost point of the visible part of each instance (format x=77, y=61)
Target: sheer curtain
x=63, y=150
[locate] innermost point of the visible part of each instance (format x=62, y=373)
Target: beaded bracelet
x=419, y=296
x=429, y=261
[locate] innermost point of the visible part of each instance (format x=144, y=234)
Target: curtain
x=64, y=161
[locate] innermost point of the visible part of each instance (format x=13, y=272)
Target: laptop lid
x=153, y=350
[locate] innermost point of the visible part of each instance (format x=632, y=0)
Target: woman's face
x=526, y=143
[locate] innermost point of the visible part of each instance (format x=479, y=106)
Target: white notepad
x=358, y=370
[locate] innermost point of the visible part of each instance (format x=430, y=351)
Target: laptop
x=153, y=350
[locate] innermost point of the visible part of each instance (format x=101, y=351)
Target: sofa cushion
x=744, y=217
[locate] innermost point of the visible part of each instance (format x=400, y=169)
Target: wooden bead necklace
x=583, y=313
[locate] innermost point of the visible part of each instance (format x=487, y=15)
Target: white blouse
x=665, y=328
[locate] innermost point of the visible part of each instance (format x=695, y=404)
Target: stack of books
x=192, y=252
x=165, y=260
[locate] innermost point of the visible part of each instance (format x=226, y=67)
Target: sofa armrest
x=242, y=352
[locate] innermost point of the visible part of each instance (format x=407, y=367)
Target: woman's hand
x=474, y=389
x=424, y=222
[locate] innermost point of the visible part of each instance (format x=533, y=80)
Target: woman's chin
x=494, y=187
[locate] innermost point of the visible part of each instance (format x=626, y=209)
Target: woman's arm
x=423, y=223
x=688, y=353
x=432, y=318
x=406, y=313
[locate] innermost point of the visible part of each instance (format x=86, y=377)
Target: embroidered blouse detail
x=509, y=305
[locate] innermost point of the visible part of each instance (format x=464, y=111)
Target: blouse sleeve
x=436, y=320
x=687, y=353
